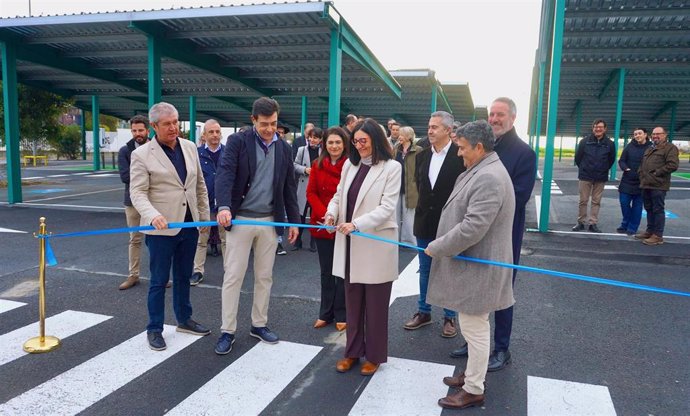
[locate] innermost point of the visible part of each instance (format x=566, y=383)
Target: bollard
x=41, y=343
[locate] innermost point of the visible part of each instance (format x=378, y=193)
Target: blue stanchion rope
x=52, y=261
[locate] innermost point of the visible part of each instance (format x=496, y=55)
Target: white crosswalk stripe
x=546, y=397
x=250, y=383
x=78, y=388
x=61, y=325
x=388, y=392
x=8, y=305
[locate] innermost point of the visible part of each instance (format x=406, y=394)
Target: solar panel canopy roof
x=224, y=57
x=644, y=42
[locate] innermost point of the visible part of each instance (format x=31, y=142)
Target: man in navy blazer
x=255, y=181
x=520, y=162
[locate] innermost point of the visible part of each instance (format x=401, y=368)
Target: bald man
x=209, y=156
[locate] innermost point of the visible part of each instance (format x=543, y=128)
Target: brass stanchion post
x=41, y=343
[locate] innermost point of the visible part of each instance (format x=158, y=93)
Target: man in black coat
x=521, y=163
x=139, y=126
x=436, y=169
x=594, y=157
x=256, y=182
x=301, y=140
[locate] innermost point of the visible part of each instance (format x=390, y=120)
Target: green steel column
x=11, y=110
x=624, y=126
x=560, y=149
x=192, y=118
x=619, y=115
x=578, y=123
x=434, y=97
x=304, y=113
x=552, y=118
x=540, y=106
x=83, y=135
x=334, y=78
x=154, y=71
x=96, y=127
x=672, y=127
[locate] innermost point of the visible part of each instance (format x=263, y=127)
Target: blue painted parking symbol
x=668, y=214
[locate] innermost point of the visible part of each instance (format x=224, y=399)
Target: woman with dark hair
x=306, y=155
x=365, y=201
x=323, y=182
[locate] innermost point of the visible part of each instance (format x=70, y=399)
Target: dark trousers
x=166, y=252
x=367, y=320
x=654, y=204
x=332, y=287
x=503, y=319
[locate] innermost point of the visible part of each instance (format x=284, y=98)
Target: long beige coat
x=156, y=189
x=476, y=221
x=371, y=261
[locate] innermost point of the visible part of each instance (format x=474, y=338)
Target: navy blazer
x=521, y=163
x=238, y=167
x=210, y=169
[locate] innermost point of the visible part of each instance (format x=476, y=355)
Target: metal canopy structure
x=223, y=56
x=210, y=62
x=626, y=61
x=647, y=41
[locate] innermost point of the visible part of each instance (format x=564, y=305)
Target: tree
x=109, y=123
x=67, y=142
x=38, y=116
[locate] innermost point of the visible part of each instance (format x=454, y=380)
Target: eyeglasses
x=362, y=140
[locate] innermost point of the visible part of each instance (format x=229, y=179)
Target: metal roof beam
x=83, y=38
x=312, y=47
x=49, y=57
x=185, y=51
x=596, y=12
x=443, y=96
x=578, y=107
x=243, y=32
x=683, y=125
x=613, y=76
x=669, y=105
x=359, y=52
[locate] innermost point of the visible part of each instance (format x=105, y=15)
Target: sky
x=489, y=44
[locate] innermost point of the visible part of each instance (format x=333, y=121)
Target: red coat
x=323, y=182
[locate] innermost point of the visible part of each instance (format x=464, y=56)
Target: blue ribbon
x=52, y=261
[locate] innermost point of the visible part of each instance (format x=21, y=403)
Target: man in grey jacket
x=474, y=223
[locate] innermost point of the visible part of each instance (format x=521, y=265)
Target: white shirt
x=437, y=159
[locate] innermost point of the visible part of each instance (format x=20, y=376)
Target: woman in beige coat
x=365, y=201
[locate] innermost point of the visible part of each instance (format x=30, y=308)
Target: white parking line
x=8, y=305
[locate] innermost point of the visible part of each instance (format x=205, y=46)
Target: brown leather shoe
x=449, y=330
x=344, y=365
x=654, y=240
x=341, y=326
x=320, y=323
x=369, y=368
x=418, y=320
x=461, y=400
x=643, y=236
x=131, y=281
x=457, y=381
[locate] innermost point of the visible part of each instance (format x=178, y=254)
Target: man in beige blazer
x=475, y=222
x=167, y=186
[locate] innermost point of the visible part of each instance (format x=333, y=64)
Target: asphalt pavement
x=577, y=347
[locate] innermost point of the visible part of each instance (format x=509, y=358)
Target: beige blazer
x=476, y=221
x=156, y=189
x=371, y=261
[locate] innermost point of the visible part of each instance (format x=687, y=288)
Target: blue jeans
x=424, y=270
x=631, y=208
x=165, y=252
x=654, y=204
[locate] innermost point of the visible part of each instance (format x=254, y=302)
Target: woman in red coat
x=323, y=182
